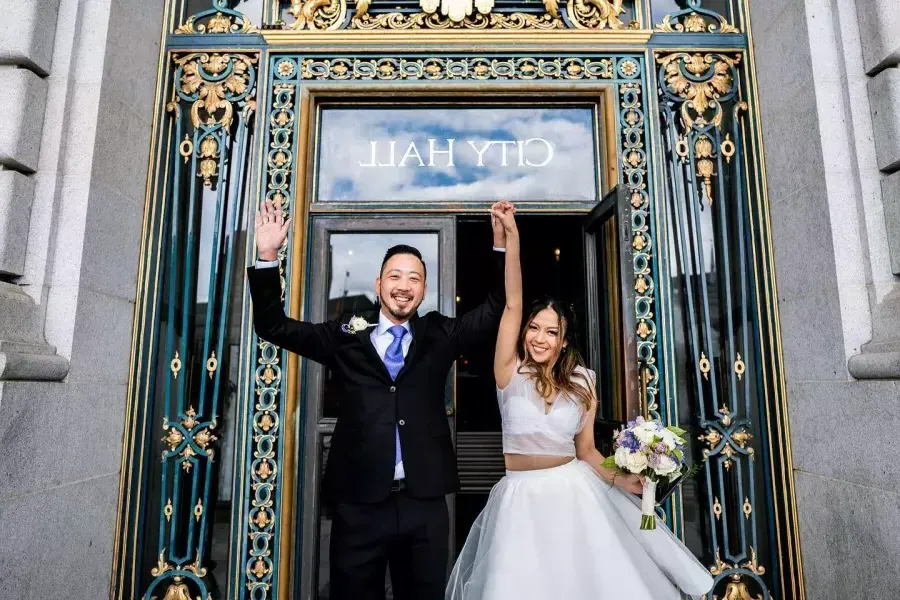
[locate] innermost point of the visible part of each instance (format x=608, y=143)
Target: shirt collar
x=384, y=324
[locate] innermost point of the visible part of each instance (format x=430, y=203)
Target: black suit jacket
x=361, y=460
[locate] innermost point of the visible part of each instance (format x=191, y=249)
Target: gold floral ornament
x=209, y=154
x=703, y=151
x=214, y=82
x=700, y=81
x=597, y=14
x=737, y=589
x=319, y=14
x=216, y=21
x=695, y=22
x=476, y=21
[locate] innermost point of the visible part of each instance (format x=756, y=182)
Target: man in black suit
x=391, y=460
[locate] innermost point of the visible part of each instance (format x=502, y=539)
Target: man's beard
x=400, y=314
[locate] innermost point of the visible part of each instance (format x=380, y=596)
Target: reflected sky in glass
x=405, y=154
x=356, y=260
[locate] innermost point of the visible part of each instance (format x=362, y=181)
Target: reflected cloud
x=404, y=154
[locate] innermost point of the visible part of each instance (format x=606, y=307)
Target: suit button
x=393, y=389
x=401, y=422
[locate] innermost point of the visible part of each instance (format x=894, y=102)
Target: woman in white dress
x=559, y=526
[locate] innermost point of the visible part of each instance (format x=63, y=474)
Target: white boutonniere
x=355, y=325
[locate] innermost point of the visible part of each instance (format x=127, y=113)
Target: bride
x=559, y=526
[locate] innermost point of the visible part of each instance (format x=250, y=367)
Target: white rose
x=636, y=462
x=622, y=457
x=666, y=466
x=668, y=438
x=358, y=324
x=644, y=436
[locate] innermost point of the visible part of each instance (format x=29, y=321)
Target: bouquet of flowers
x=655, y=453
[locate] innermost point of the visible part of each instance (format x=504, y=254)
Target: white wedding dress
x=564, y=533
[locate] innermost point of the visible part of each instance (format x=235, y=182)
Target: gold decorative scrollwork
x=703, y=152
x=216, y=23
x=161, y=565
x=186, y=148
x=190, y=418
x=472, y=68
x=705, y=366
x=209, y=154
x=682, y=148
x=320, y=14
x=513, y=21
x=728, y=148
x=694, y=22
x=597, y=14
x=175, y=365
x=215, y=81
x=711, y=437
x=212, y=364
x=323, y=15
x=700, y=80
x=740, y=367
x=725, y=416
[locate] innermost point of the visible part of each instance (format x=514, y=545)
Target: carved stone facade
x=828, y=75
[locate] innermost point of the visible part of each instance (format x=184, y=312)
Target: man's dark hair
x=404, y=249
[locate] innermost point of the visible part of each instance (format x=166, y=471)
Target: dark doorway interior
x=552, y=263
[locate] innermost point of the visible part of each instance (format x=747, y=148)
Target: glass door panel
x=611, y=346
x=345, y=260
x=458, y=153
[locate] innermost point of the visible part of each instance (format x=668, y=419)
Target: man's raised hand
x=271, y=230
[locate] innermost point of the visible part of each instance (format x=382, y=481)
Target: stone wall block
x=879, y=24
x=23, y=96
x=884, y=96
x=30, y=42
x=16, y=197
x=890, y=195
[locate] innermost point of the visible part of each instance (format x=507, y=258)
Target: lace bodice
x=529, y=429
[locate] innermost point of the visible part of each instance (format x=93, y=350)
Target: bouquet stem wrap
x=648, y=505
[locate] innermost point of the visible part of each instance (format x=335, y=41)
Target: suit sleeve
x=479, y=325
x=310, y=340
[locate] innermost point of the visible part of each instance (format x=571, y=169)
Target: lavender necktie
x=393, y=360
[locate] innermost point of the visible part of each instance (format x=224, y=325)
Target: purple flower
x=660, y=447
x=655, y=461
x=627, y=440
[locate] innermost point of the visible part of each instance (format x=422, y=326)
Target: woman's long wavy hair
x=559, y=374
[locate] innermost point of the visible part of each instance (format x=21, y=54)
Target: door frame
x=312, y=426
x=615, y=206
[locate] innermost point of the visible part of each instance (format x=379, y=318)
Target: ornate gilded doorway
x=217, y=434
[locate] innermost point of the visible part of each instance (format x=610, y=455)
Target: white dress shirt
x=381, y=339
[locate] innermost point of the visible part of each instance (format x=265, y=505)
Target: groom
x=391, y=460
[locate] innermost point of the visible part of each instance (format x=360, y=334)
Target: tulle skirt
x=564, y=534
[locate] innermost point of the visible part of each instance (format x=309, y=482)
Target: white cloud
x=347, y=136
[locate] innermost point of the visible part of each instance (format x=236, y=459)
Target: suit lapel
x=418, y=333
x=365, y=340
